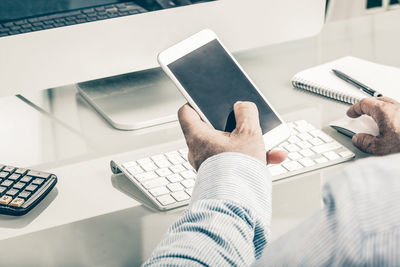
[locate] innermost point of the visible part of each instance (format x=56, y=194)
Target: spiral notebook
x=322, y=81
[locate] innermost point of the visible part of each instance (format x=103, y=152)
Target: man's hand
x=386, y=112
x=204, y=141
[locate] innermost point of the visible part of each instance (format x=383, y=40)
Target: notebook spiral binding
x=325, y=91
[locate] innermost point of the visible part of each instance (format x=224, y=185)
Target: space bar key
x=326, y=147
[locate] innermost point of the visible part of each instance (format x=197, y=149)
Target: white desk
x=104, y=225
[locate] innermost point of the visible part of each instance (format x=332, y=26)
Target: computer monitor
x=46, y=44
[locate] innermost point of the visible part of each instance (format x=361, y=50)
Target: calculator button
x=31, y=187
x=14, y=177
x=21, y=171
x=19, y=185
x=17, y=202
x=38, y=181
x=9, y=169
x=2, y=189
x=12, y=192
x=4, y=174
x=43, y=175
x=7, y=183
x=5, y=200
x=1, y=166
x=26, y=179
x=24, y=194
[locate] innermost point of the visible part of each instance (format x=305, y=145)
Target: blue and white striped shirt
x=228, y=220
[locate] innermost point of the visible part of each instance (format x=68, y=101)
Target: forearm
x=227, y=222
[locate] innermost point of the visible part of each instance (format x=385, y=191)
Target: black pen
x=356, y=83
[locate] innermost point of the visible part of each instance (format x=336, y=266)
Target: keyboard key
x=163, y=163
x=294, y=156
x=292, y=166
x=189, y=191
x=166, y=200
x=12, y=192
x=294, y=139
x=24, y=194
x=14, y=176
x=331, y=155
x=155, y=183
x=129, y=164
x=276, y=170
x=141, y=177
x=144, y=161
x=175, y=187
x=177, y=168
x=38, y=181
x=7, y=183
x=5, y=200
x=4, y=174
x=188, y=166
x=31, y=187
x=158, y=157
x=159, y=191
x=188, y=175
x=305, y=136
x=2, y=189
x=316, y=141
x=304, y=144
x=8, y=169
x=17, y=202
x=176, y=160
x=307, y=162
x=346, y=154
x=326, y=147
x=19, y=185
x=188, y=183
x=180, y=196
x=321, y=160
x=26, y=179
x=174, y=178
x=307, y=152
x=292, y=148
x=135, y=170
x=43, y=175
x=20, y=171
x=149, y=166
x=163, y=172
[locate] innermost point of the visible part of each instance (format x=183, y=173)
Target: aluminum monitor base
x=135, y=100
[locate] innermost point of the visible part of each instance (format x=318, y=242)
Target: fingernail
x=354, y=139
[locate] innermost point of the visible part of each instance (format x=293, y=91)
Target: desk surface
x=105, y=226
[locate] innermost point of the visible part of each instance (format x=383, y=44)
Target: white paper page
x=381, y=78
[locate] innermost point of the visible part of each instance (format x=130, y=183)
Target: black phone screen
x=215, y=83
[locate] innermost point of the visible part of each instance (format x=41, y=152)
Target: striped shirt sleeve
x=228, y=219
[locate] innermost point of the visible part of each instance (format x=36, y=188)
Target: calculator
x=22, y=189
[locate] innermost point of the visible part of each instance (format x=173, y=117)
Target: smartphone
x=212, y=82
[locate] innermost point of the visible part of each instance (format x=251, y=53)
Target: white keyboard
x=168, y=179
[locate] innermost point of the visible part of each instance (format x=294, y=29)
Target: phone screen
x=216, y=83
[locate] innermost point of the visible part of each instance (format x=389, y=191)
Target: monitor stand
x=135, y=100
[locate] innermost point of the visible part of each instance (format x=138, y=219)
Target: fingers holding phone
x=203, y=141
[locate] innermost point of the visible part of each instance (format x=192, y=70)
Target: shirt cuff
x=238, y=178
